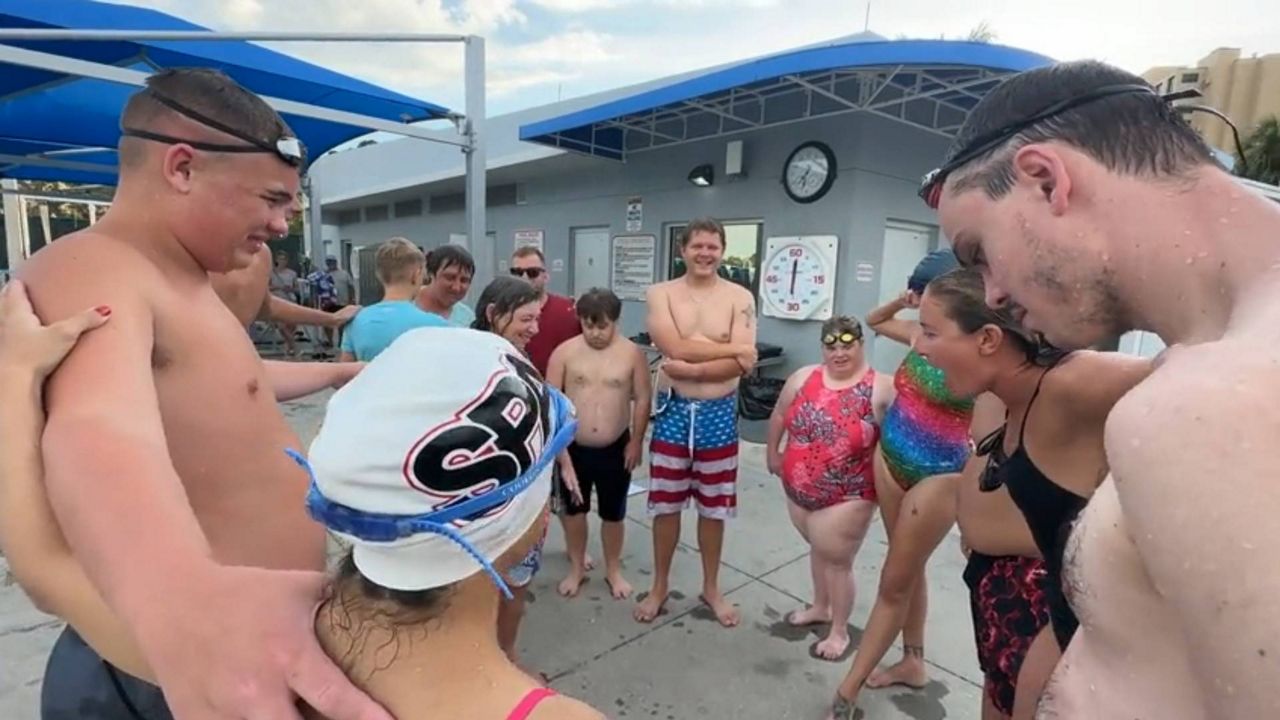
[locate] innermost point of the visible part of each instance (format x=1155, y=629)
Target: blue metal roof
x=847, y=76
x=42, y=110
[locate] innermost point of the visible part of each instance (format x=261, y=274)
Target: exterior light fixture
x=702, y=176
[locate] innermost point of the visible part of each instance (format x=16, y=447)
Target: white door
x=904, y=246
x=590, y=249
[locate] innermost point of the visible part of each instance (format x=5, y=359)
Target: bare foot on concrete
x=651, y=606
x=618, y=585
x=832, y=647
x=809, y=616
x=908, y=671
x=726, y=612
x=570, y=586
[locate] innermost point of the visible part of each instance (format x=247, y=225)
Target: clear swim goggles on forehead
x=383, y=527
x=290, y=150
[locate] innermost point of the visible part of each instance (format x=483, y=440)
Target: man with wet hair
x=1092, y=206
x=165, y=450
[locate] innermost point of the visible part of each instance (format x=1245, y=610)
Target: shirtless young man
x=607, y=378
x=1089, y=202
x=193, y=527
x=706, y=328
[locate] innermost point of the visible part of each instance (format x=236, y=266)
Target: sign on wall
x=634, y=263
x=797, y=280
x=528, y=238
x=635, y=214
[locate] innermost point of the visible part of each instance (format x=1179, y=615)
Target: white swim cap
x=437, y=457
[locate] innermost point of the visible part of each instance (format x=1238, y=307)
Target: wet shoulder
x=83, y=252
x=1207, y=399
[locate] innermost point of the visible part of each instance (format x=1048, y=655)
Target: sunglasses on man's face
x=530, y=273
x=844, y=338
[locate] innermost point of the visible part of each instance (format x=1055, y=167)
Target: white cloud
x=599, y=50
x=582, y=48
x=578, y=6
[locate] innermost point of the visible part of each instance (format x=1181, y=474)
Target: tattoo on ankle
x=913, y=651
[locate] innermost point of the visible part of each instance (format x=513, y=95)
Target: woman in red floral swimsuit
x=830, y=416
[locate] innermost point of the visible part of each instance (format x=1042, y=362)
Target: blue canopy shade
x=929, y=83
x=43, y=111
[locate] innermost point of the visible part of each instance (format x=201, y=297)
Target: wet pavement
x=683, y=666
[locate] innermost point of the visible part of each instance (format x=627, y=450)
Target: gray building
x=594, y=178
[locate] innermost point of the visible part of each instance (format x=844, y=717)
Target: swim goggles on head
x=931, y=186
x=845, y=338
x=383, y=527
x=288, y=149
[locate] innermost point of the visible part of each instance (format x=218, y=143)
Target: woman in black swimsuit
x=1048, y=457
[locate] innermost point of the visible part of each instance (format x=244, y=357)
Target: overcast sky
x=540, y=50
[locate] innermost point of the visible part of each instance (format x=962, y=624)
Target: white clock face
x=807, y=172
x=795, y=281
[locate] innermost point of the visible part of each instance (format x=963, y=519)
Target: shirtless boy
x=1089, y=202
x=607, y=378
x=193, y=526
x=706, y=328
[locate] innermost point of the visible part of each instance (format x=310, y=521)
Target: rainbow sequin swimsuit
x=926, y=429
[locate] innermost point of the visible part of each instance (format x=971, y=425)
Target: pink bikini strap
x=530, y=702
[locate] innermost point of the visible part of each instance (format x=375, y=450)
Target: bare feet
x=726, y=612
x=570, y=585
x=618, y=585
x=588, y=563
x=832, y=647
x=650, y=607
x=843, y=708
x=809, y=616
x=908, y=671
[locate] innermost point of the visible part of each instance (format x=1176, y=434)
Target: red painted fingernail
x=103, y=310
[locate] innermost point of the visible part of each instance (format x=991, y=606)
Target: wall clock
x=797, y=280
x=809, y=172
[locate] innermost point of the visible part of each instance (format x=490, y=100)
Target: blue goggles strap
x=385, y=527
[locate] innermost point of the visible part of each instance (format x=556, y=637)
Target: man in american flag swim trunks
x=705, y=327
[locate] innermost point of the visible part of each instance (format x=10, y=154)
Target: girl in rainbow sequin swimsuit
x=926, y=429
x=925, y=439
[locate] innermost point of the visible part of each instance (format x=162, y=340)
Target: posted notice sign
x=634, y=262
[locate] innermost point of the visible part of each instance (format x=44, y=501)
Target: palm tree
x=1262, y=152
x=982, y=33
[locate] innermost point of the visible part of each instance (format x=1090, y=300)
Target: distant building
x=1247, y=90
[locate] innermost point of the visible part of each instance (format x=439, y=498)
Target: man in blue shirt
x=400, y=266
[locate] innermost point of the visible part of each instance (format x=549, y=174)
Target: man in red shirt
x=558, y=321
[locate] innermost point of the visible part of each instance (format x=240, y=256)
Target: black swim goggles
x=845, y=338
x=289, y=150
x=931, y=185
x=384, y=528
x=992, y=447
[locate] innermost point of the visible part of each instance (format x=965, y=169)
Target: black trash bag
x=758, y=395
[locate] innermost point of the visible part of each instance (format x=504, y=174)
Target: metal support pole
x=15, y=225
x=312, y=242
x=477, y=232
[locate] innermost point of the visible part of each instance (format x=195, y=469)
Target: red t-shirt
x=557, y=323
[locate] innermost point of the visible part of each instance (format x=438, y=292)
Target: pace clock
x=797, y=281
